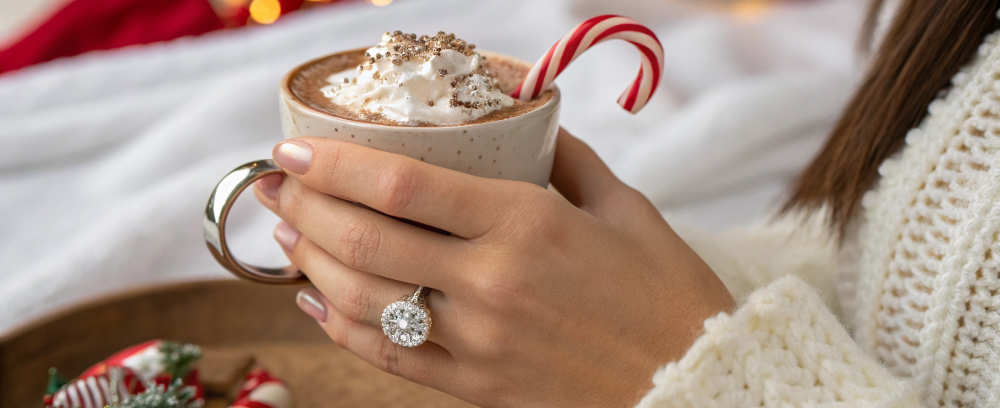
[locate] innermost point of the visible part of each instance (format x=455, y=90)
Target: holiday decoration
x=588, y=34
x=262, y=390
x=175, y=395
x=156, y=374
x=91, y=391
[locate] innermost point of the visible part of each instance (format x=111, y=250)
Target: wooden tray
x=226, y=314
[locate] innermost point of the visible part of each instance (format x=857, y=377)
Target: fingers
x=355, y=295
x=428, y=364
x=393, y=184
x=365, y=240
x=580, y=175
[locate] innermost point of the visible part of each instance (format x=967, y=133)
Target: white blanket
x=108, y=158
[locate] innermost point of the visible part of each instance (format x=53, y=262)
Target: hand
x=540, y=299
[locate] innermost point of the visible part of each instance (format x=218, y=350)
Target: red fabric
x=85, y=25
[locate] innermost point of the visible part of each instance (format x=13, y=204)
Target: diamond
x=405, y=323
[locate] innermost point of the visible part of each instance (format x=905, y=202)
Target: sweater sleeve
x=781, y=348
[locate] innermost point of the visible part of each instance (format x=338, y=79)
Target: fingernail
x=294, y=156
x=286, y=235
x=311, y=302
x=269, y=185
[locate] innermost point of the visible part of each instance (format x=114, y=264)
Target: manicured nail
x=286, y=235
x=294, y=156
x=311, y=302
x=269, y=185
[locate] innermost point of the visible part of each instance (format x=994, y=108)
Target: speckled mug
x=516, y=148
x=519, y=147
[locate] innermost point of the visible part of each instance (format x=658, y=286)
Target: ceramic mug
x=516, y=148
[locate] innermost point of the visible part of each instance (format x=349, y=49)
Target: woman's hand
x=539, y=300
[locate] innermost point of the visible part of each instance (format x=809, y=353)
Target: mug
x=516, y=148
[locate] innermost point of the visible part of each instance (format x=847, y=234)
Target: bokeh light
x=381, y=3
x=265, y=11
x=750, y=8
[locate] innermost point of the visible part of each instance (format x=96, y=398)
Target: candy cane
x=262, y=390
x=94, y=390
x=584, y=36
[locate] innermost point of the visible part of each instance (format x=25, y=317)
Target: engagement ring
x=406, y=322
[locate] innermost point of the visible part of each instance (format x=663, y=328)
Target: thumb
x=580, y=175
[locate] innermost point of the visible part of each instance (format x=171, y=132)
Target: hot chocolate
x=451, y=112
x=407, y=80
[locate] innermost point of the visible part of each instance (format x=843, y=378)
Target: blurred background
x=117, y=117
x=18, y=16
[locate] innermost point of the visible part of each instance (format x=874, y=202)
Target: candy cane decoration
x=262, y=390
x=94, y=391
x=141, y=366
x=584, y=36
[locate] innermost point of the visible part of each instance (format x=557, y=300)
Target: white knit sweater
x=917, y=283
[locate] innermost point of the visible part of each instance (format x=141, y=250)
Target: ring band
x=407, y=322
x=214, y=224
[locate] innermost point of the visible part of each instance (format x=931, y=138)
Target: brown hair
x=926, y=44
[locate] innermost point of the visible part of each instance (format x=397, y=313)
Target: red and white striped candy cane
x=94, y=391
x=584, y=36
x=262, y=390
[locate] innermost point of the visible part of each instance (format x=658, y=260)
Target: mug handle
x=214, y=225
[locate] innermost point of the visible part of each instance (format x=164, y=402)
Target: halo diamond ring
x=406, y=322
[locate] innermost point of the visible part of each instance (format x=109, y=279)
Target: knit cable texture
x=781, y=348
x=929, y=290
x=922, y=264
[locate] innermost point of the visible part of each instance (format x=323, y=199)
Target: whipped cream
x=412, y=80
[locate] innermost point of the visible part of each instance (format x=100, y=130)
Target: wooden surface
x=260, y=319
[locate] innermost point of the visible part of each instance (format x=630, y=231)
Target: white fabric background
x=108, y=158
